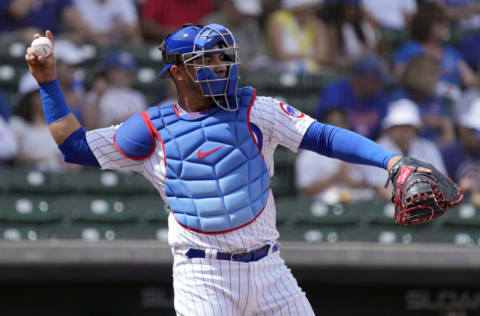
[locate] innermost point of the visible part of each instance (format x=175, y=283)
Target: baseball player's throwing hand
x=43, y=68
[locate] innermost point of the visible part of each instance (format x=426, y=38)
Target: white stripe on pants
x=211, y=287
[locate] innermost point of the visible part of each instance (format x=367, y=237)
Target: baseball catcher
x=421, y=192
x=210, y=155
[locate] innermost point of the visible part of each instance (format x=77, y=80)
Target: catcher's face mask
x=194, y=51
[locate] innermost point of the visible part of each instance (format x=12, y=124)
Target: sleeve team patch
x=291, y=111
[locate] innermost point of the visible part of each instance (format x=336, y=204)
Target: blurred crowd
x=409, y=75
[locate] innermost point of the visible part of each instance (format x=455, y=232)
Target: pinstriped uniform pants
x=208, y=287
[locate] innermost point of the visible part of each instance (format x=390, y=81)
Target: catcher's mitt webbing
x=420, y=197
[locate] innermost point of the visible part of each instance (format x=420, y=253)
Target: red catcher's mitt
x=420, y=197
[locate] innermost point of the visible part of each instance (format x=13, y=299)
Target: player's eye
x=208, y=60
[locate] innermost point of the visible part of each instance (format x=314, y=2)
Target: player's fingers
x=42, y=60
x=36, y=36
x=32, y=61
x=29, y=57
x=424, y=170
x=49, y=35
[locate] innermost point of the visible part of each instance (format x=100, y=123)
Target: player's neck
x=192, y=102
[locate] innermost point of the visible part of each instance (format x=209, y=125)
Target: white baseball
x=42, y=46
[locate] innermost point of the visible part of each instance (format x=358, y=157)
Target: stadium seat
x=465, y=236
x=466, y=215
x=24, y=180
x=390, y=234
x=18, y=232
x=94, y=209
x=28, y=209
x=143, y=186
x=154, y=231
x=95, y=181
x=327, y=214
x=376, y=211
x=289, y=207
x=13, y=52
x=316, y=233
x=149, y=208
x=282, y=184
x=90, y=232
x=283, y=181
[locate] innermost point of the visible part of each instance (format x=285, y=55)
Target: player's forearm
x=66, y=130
x=345, y=145
x=60, y=130
x=61, y=122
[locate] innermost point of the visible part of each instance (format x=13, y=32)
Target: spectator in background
x=23, y=18
x=110, y=21
x=296, y=39
x=162, y=17
x=361, y=95
x=8, y=142
x=69, y=60
x=401, y=128
x=469, y=47
x=171, y=94
x=466, y=13
x=240, y=17
x=418, y=84
x=5, y=108
x=391, y=14
x=98, y=88
x=463, y=157
x=429, y=31
x=36, y=147
x=351, y=34
x=119, y=100
x=336, y=181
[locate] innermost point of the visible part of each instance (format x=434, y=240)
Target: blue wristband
x=54, y=105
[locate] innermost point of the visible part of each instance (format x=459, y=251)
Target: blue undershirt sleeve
x=336, y=142
x=75, y=149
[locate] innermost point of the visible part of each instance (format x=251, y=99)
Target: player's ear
x=177, y=72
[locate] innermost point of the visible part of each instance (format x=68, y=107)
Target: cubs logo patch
x=291, y=111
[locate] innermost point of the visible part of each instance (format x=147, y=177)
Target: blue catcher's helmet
x=190, y=45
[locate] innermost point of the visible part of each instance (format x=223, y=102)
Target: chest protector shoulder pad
x=216, y=178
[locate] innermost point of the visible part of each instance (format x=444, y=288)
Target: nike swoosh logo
x=201, y=155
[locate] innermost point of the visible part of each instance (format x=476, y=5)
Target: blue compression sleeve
x=54, y=105
x=76, y=150
x=335, y=142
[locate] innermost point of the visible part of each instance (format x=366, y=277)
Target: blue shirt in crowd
x=364, y=114
x=449, y=70
x=459, y=163
x=5, y=108
x=45, y=15
x=431, y=105
x=470, y=47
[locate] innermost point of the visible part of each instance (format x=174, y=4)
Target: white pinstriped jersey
x=279, y=124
